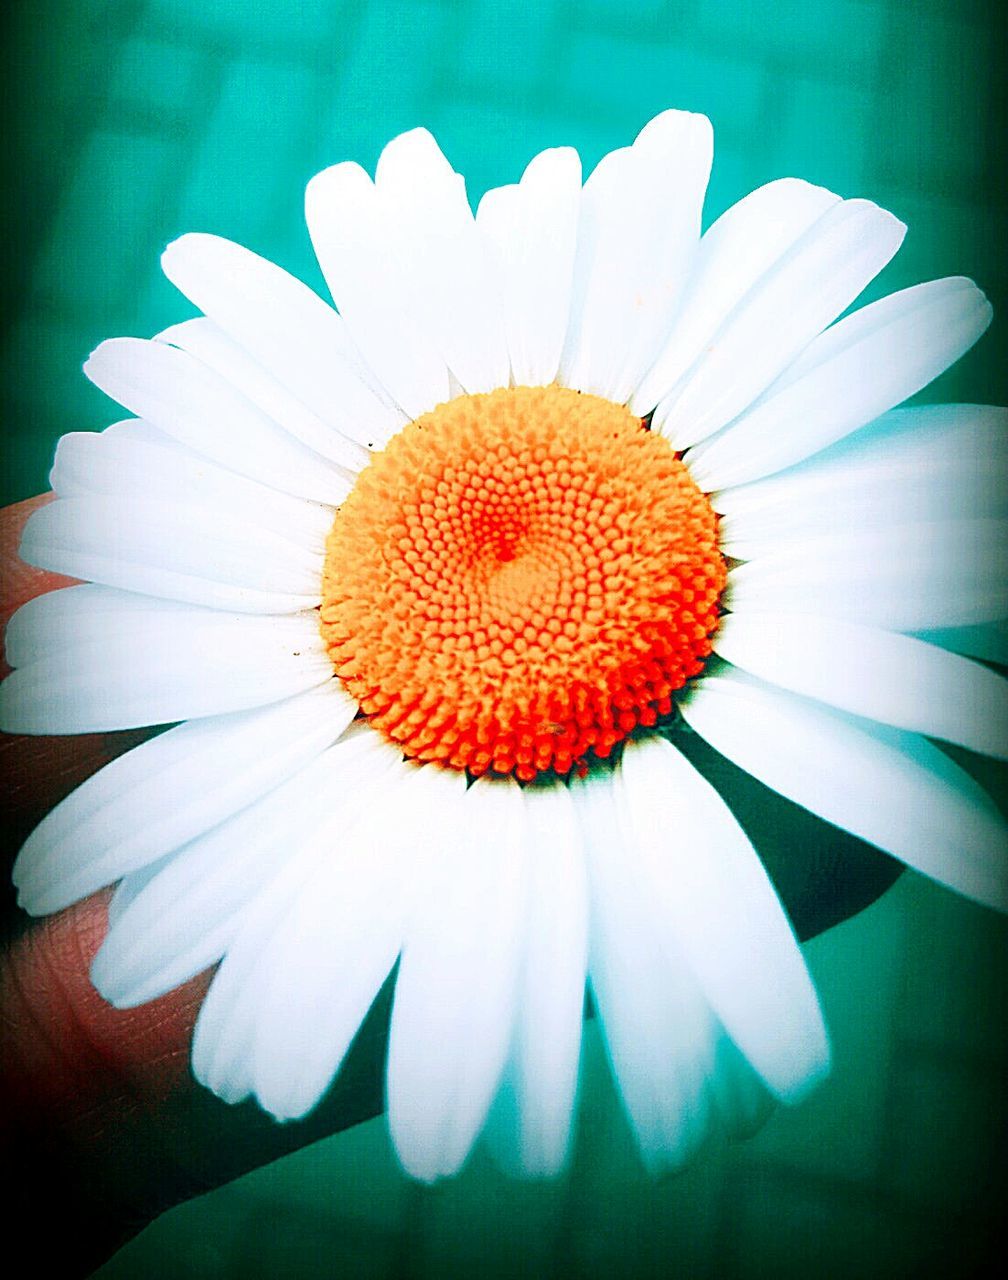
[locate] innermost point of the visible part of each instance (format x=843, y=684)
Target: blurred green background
x=131, y=121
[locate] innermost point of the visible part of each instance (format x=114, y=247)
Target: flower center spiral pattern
x=519, y=580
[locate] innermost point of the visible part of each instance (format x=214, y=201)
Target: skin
x=99, y=1113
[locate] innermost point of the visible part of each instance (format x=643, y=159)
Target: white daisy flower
x=414, y=571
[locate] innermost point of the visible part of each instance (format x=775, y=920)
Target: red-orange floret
x=519, y=580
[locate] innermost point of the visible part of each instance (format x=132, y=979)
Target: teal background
x=132, y=122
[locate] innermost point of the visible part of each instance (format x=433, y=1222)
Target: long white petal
x=137, y=429
x=455, y=992
x=442, y=266
x=968, y=442
x=530, y=233
x=183, y=918
x=807, y=288
x=637, y=237
x=658, y=1029
x=224, y=1034
x=130, y=887
x=338, y=944
x=734, y=253
x=125, y=466
x=168, y=791
x=185, y=398
x=83, y=614
x=905, y=577
x=725, y=915
x=223, y=1040
x=913, y=465
x=893, y=789
x=865, y=364
x=288, y=329
x=180, y=550
x=214, y=348
x=168, y=665
x=895, y=679
x=543, y=1067
x=350, y=234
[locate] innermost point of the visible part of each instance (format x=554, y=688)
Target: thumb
x=102, y=1114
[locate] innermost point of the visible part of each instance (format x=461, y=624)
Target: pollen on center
x=519, y=580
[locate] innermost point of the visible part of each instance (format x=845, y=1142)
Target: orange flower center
x=519, y=580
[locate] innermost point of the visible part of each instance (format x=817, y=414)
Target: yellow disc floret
x=519, y=580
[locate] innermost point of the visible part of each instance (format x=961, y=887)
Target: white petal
x=734, y=254
x=182, y=919
x=169, y=790
x=361, y=766
x=903, y=578
x=893, y=789
x=530, y=234
x=289, y=330
x=806, y=289
x=351, y=237
x=131, y=885
x=338, y=944
x=214, y=348
x=442, y=266
x=124, y=466
x=637, y=237
x=927, y=464
x=865, y=364
x=876, y=674
x=455, y=993
x=659, y=1032
x=547, y=1036
x=178, y=549
x=725, y=915
x=224, y=1034
x=183, y=397
x=137, y=429
x=83, y=614
x=165, y=665
x=967, y=439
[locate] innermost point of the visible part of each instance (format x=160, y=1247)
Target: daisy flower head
x=425, y=577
